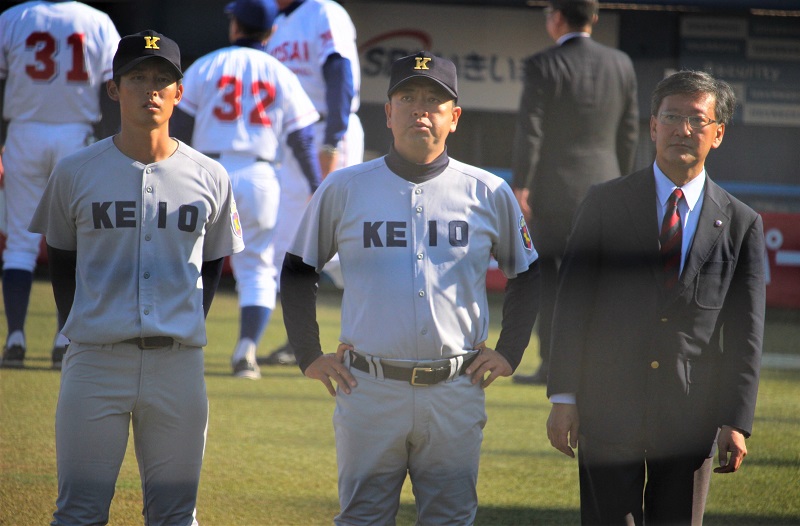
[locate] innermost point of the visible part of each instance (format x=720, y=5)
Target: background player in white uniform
x=54, y=60
x=244, y=103
x=137, y=227
x=317, y=40
x=416, y=232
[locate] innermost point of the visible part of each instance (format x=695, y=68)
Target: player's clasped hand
x=331, y=367
x=488, y=361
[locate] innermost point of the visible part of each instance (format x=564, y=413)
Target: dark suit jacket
x=578, y=125
x=650, y=366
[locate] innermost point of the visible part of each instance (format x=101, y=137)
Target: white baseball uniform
x=245, y=103
x=142, y=233
x=54, y=57
x=414, y=258
x=303, y=41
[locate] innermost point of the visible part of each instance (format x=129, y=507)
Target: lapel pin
x=717, y=223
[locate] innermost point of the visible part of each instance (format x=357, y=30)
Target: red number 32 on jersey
x=263, y=94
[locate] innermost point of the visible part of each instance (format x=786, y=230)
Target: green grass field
x=270, y=456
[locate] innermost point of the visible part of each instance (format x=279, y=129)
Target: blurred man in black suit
x=578, y=125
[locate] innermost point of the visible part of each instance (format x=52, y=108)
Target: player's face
x=147, y=94
x=421, y=114
x=681, y=150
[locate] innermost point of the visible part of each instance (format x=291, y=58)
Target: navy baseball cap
x=134, y=49
x=258, y=14
x=424, y=65
x=566, y=4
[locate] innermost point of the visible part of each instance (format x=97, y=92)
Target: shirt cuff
x=563, y=398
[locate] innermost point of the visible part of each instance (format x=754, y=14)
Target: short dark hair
x=688, y=82
x=578, y=13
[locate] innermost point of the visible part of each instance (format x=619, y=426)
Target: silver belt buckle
x=414, y=373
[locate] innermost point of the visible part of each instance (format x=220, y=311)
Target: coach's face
x=421, y=114
x=681, y=150
x=147, y=94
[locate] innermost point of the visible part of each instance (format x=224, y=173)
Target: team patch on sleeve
x=236, y=225
x=526, y=236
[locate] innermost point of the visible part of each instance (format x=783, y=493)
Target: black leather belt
x=417, y=376
x=256, y=159
x=151, y=342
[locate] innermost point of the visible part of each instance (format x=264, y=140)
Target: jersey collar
x=413, y=172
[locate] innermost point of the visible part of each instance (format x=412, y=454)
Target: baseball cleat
x=244, y=360
x=246, y=369
x=281, y=356
x=13, y=357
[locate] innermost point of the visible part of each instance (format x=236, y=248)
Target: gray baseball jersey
x=399, y=244
x=141, y=233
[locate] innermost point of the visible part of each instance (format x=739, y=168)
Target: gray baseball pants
x=386, y=429
x=104, y=390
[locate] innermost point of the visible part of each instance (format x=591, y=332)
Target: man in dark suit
x=659, y=323
x=578, y=125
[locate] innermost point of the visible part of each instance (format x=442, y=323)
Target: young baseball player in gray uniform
x=416, y=232
x=137, y=227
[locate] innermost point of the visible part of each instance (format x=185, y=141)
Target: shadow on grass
x=521, y=516
x=712, y=519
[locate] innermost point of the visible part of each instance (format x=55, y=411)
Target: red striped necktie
x=670, y=240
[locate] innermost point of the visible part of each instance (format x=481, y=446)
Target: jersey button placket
x=421, y=240
x=149, y=216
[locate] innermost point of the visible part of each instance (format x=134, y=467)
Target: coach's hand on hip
x=488, y=361
x=331, y=367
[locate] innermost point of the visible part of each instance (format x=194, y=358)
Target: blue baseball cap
x=258, y=14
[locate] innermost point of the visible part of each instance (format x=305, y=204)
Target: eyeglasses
x=696, y=122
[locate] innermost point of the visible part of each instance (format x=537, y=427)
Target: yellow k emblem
x=422, y=62
x=151, y=42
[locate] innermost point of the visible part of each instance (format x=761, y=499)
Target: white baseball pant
x=31, y=151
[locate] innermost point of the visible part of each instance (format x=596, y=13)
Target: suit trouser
x=105, y=389
x=550, y=239
x=386, y=429
x=548, y=286
x=614, y=477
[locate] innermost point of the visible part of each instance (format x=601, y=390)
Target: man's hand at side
x=523, y=195
x=562, y=428
x=732, y=450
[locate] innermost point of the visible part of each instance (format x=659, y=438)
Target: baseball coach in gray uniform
x=416, y=232
x=137, y=227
